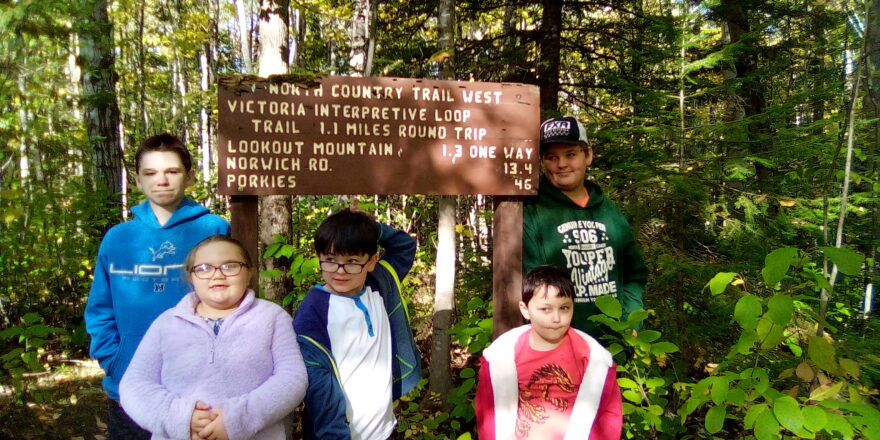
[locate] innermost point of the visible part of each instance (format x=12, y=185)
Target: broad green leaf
x=31, y=318
x=271, y=249
x=625, y=382
x=745, y=343
x=271, y=273
x=826, y=391
x=719, y=282
x=747, y=311
x=752, y=414
x=766, y=426
x=814, y=418
x=779, y=309
x=636, y=317
x=10, y=333
x=295, y=265
x=467, y=373
x=610, y=306
x=847, y=261
x=822, y=282
x=632, y=396
x=649, y=335
x=838, y=423
x=612, y=323
x=663, y=348
x=769, y=333
x=715, y=418
x=804, y=433
x=776, y=263
x=702, y=387
x=285, y=251
x=792, y=345
x=788, y=412
x=691, y=405
x=822, y=353
x=850, y=367
x=654, y=382
x=759, y=376
x=39, y=330
x=720, y=386
x=736, y=396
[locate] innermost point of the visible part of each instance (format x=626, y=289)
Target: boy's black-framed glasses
x=349, y=268
x=206, y=271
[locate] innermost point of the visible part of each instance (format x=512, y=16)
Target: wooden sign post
x=347, y=135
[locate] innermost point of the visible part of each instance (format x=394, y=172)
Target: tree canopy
x=740, y=137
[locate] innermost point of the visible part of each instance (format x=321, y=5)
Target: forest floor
x=68, y=404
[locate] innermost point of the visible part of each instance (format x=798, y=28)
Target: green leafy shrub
x=27, y=341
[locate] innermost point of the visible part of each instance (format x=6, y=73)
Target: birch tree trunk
x=274, y=210
x=358, y=55
x=440, y=381
x=244, y=36
x=825, y=295
x=100, y=107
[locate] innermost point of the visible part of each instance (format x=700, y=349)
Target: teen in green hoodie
x=571, y=224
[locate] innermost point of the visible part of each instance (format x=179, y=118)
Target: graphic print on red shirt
x=548, y=386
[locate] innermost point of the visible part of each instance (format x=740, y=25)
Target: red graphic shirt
x=548, y=385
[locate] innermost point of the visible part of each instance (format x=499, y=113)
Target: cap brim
x=567, y=142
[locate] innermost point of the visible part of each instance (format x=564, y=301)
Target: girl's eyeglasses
x=206, y=271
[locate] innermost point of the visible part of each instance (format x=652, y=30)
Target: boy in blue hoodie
x=354, y=332
x=139, y=269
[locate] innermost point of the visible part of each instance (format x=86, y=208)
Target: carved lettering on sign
x=345, y=135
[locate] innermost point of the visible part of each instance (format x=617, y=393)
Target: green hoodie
x=595, y=244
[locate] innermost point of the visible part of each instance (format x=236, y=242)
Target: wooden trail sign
x=348, y=135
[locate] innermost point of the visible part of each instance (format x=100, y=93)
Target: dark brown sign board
x=349, y=135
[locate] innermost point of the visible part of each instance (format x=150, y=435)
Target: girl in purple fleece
x=221, y=364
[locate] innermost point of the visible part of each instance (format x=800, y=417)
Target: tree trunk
x=141, y=131
x=298, y=26
x=358, y=55
x=244, y=36
x=204, y=123
x=825, y=295
x=371, y=38
x=440, y=381
x=749, y=100
x=548, y=64
x=100, y=107
x=871, y=106
x=274, y=210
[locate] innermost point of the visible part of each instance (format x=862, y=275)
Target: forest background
x=740, y=137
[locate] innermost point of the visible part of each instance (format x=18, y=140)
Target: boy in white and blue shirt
x=354, y=332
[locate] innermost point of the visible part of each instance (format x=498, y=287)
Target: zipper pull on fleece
x=213, y=341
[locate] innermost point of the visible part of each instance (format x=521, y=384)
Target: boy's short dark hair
x=547, y=275
x=163, y=142
x=347, y=233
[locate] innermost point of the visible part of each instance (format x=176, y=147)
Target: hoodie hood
x=188, y=210
x=547, y=191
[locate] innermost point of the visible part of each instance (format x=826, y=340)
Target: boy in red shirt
x=547, y=380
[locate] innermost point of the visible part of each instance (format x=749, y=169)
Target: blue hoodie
x=138, y=275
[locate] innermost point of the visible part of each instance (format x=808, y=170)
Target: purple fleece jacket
x=252, y=370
